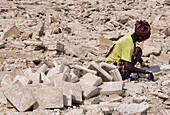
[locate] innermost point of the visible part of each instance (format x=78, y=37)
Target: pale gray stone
x=166, y=83
x=107, y=108
x=85, y=70
x=74, y=89
x=60, y=47
x=3, y=99
x=59, y=77
x=15, y=113
x=23, y=79
x=153, y=46
x=9, y=78
x=19, y=96
x=123, y=19
x=2, y=45
x=28, y=71
x=95, y=112
x=67, y=93
x=42, y=112
x=157, y=18
x=94, y=100
x=165, y=111
x=111, y=98
x=48, y=97
x=56, y=70
x=33, y=42
x=161, y=95
x=133, y=88
x=112, y=35
x=89, y=91
x=45, y=80
x=105, y=76
x=116, y=75
x=75, y=112
x=43, y=69
x=165, y=67
x=67, y=96
x=90, y=79
x=34, y=78
x=51, y=47
x=66, y=72
x=109, y=88
x=139, y=99
x=131, y=109
x=84, y=30
x=107, y=66
x=74, y=77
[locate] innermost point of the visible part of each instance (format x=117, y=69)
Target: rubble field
x=52, y=57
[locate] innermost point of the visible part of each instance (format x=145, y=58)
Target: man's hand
x=151, y=77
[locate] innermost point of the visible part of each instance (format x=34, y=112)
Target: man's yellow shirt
x=123, y=50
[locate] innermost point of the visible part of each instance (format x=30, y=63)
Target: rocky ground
x=48, y=44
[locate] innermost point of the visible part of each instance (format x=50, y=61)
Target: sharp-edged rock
x=90, y=79
x=20, y=97
x=109, y=88
x=105, y=76
x=129, y=109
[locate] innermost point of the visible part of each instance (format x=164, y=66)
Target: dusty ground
x=80, y=31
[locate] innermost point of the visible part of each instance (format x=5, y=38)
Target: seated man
x=125, y=54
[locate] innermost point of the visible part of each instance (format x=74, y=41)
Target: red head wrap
x=142, y=28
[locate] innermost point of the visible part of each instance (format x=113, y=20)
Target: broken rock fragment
x=13, y=32
x=132, y=109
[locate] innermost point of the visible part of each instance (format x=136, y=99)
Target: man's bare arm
x=129, y=66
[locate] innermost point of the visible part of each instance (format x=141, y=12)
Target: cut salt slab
x=48, y=97
x=104, y=75
x=70, y=88
x=90, y=79
x=20, y=97
x=89, y=91
x=109, y=88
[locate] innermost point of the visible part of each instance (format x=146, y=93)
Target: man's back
x=123, y=50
